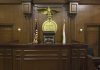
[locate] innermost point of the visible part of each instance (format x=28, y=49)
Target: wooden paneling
x=96, y=61
x=87, y=14
x=89, y=2
x=91, y=64
x=13, y=14
x=49, y=1
x=66, y=1
x=10, y=1
x=43, y=57
x=26, y=0
x=6, y=33
x=92, y=39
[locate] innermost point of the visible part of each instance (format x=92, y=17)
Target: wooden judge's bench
x=43, y=57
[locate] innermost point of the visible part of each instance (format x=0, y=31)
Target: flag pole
x=35, y=40
x=64, y=33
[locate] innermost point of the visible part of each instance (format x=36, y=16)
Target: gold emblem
x=49, y=24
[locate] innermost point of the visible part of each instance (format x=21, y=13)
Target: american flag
x=35, y=40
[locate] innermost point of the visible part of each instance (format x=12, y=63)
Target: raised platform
x=43, y=57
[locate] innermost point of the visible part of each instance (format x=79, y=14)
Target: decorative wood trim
x=73, y=7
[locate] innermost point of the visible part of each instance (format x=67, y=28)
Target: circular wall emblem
x=49, y=25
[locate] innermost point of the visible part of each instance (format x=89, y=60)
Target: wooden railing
x=43, y=57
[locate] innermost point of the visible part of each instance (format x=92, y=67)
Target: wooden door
x=92, y=38
x=6, y=33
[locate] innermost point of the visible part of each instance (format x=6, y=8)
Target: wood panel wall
x=87, y=14
x=49, y=1
x=10, y=1
x=13, y=15
x=89, y=2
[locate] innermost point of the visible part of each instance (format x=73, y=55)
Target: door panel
x=92, y=38
x=6, y=34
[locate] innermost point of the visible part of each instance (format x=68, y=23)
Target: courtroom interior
x=49, y=34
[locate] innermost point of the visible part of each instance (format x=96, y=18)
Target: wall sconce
x=73, y=7
x=27, y=7
x=19, y=29
x=81, y=30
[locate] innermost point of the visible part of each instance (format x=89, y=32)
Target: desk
x=43, y=57
x=96, y=60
